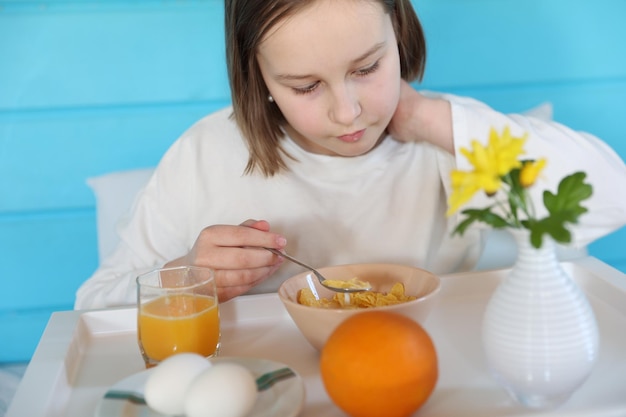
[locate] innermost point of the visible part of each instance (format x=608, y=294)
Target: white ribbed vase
x=540, y=335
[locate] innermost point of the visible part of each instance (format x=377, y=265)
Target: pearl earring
x=270, y=98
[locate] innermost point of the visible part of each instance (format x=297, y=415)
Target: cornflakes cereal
x=354, y=283
x=364, y=299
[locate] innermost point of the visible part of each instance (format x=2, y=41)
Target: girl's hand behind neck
x=419, y=118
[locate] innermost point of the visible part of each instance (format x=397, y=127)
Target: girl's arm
x=422, y=119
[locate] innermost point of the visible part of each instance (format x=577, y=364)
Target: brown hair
x=247, y=22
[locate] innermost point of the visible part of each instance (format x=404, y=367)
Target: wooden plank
x=45, y=157
x=21, y=331
x=122, y=53
x=45, y=258
x=88, y=87
x=509, y=42
x=173, y=51
x=610, y=249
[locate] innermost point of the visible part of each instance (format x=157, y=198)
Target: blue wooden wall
x=88, y=87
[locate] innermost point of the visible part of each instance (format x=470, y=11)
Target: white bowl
x=316, y=324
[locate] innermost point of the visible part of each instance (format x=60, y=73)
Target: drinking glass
x=177, y=311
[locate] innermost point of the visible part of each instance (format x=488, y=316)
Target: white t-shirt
x=385, y=206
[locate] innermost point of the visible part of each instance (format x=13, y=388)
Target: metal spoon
x=319, y=276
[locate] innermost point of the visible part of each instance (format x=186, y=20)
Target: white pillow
x=544, y=111
x=114, y=193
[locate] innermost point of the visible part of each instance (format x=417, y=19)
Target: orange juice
x=178, y=323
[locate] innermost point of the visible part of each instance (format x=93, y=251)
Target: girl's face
x=334, y=71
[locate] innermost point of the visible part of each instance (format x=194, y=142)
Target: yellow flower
x=464, y=186
x=498, y=171
x=530, y=171
x=490, y=163
x=506, y=150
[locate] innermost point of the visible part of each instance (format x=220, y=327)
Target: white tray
x=82, y=353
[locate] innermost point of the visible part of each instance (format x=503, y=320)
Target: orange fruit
x=378, y=364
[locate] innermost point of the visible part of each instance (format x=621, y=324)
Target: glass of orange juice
x=177, y=311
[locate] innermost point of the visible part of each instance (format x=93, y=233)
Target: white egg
x=169, y=381
x=224, y=390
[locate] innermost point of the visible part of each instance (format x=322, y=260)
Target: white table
x=82, y=353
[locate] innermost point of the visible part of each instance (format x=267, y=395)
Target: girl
x=330, y=155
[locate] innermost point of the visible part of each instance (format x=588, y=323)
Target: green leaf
x=461, y=227
x=547, y=226
x=563, y=207
x=566, y=203
x=482, y=215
